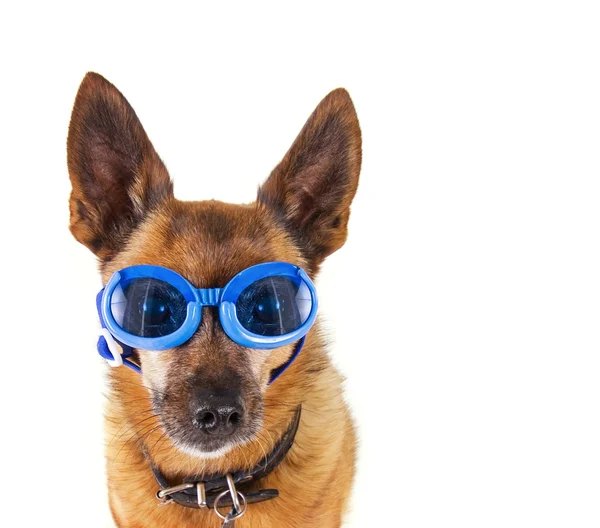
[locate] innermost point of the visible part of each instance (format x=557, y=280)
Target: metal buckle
x=238, y=508
x=238, y=499
x=163, y=494
x=201, y=491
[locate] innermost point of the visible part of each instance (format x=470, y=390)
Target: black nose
x=217, y=413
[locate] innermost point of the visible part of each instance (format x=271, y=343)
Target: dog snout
x=217, y=412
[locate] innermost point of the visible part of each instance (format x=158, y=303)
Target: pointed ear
x=116, y=175
x=312, y=188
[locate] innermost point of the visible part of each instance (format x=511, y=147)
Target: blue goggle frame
x=196, y=298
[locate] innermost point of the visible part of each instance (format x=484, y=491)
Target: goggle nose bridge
x=210, y=296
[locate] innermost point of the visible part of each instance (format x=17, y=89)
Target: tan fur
x=208, y=243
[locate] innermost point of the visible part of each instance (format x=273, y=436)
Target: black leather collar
x=213, y=485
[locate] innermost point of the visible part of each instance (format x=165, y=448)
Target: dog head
x=207, y=394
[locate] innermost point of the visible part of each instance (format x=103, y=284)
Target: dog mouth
x=220, y=449
x=197, y=446
x=197, y=450
x=201, y=436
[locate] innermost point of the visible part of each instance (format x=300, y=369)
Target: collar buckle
x=163, y=494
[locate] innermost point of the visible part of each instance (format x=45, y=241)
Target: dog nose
x=218, y=414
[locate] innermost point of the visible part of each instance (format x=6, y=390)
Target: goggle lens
x=148, y=307
x=274, y=306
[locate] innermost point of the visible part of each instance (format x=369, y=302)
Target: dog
x=204, y=421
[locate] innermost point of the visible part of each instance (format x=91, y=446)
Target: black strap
x=215, y=484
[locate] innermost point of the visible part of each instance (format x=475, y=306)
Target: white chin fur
x=198, y=453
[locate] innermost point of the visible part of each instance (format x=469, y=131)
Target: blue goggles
x=154, y=308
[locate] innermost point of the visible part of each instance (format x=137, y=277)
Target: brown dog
x=123, y=209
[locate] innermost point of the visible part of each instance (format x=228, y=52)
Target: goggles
x=154, y=308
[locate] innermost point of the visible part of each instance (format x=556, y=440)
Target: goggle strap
x=102, y=346
x=275, y=373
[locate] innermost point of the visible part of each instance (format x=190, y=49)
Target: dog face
x=208, y=394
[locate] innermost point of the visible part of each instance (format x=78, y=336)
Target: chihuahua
x=230, y=408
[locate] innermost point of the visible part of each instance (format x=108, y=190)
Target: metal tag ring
x=236, y=515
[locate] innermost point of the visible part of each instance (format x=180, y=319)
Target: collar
x=215, y=490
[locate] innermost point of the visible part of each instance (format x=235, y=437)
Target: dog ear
x=116, y=175
x=313, y=186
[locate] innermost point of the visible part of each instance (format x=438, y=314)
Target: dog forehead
x=214, y=220
x=208, y=242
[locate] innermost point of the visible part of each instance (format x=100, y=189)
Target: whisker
x=263, y=449
x=135, y=433
x=132, y=426
x=140, y=385
x=125, y=424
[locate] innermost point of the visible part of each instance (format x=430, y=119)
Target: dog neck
x=203, y=491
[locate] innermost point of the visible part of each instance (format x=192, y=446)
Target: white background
x=465, y=305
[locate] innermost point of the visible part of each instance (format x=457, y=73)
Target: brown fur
x=123, y=209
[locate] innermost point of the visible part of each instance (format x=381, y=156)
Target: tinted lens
x=148, y=307
x=274, y=306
